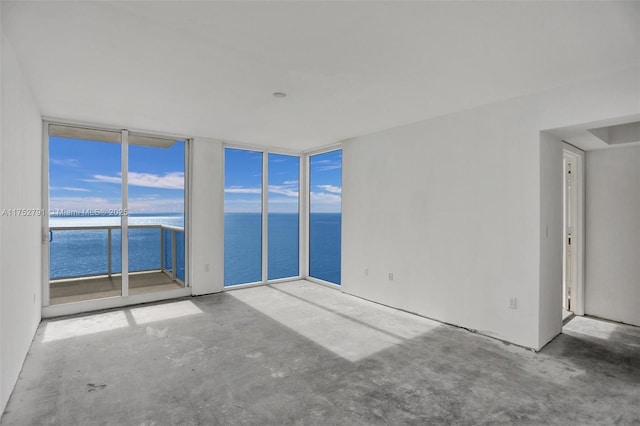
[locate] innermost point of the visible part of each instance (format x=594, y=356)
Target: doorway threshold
x=567, y=316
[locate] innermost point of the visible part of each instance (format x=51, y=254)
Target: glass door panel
x=85, y=214
x=156, y=225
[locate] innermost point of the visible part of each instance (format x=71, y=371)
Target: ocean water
x=84, y=252
x=325, y=233
x=243, y=247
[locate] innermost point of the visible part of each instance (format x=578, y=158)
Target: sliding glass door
x=85, y=260
x=155, y=212
x=116, y=203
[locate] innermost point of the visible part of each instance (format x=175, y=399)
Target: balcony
x=85, y=262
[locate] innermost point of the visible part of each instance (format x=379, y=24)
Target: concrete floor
x=299, y=353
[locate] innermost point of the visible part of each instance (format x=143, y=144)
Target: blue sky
x=325, y=181
x=86, y=175
x=243, y=182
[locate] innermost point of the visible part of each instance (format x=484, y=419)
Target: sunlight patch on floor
x=349, y=327
x=74, y=327
x=90, y=324
x=165, y=311
x=393, y=321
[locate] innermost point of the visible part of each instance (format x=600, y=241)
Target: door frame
x=124, y=299
x=577, y=158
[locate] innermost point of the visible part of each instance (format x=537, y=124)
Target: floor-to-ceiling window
x=105, y=184
x=284, y=216
x=262, y=216
x=242, y=216
x=325, y=216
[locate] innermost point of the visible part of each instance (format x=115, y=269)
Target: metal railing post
x=162, y=267
x=173, y=254
x=109, y=252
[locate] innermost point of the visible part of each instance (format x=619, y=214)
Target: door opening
x=572, y=220
x=116, y=230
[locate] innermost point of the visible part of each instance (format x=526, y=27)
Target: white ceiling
x=606, y=133
x=349, y=68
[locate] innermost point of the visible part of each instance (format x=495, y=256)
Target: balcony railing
x=78, y=256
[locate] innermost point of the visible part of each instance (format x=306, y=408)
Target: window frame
x=308, y=155
x=302, y=226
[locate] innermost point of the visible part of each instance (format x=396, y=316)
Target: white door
x=567, y=258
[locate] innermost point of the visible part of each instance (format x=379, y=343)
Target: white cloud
x=286, y=202
x=284, y=199
x=330, y=167
x=326, y=165
x=107, y=179
x=283, y=190
x=171, y=180
x=290, y=182
x=274, y=189
x=331, y=188
x=325, y=202
x=68, y=188
x=241, y=190
x=65, y=162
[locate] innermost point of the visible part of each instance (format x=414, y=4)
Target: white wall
x=457, y=208
x=21, y=187
x=551, y=185
x=207, y=216
x=3, y=399
x=613, y=234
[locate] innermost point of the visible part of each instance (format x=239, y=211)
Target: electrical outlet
x=206, y=267
x=390, y=276
x=513, y=302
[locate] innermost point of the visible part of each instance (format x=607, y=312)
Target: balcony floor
x=90, y=288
